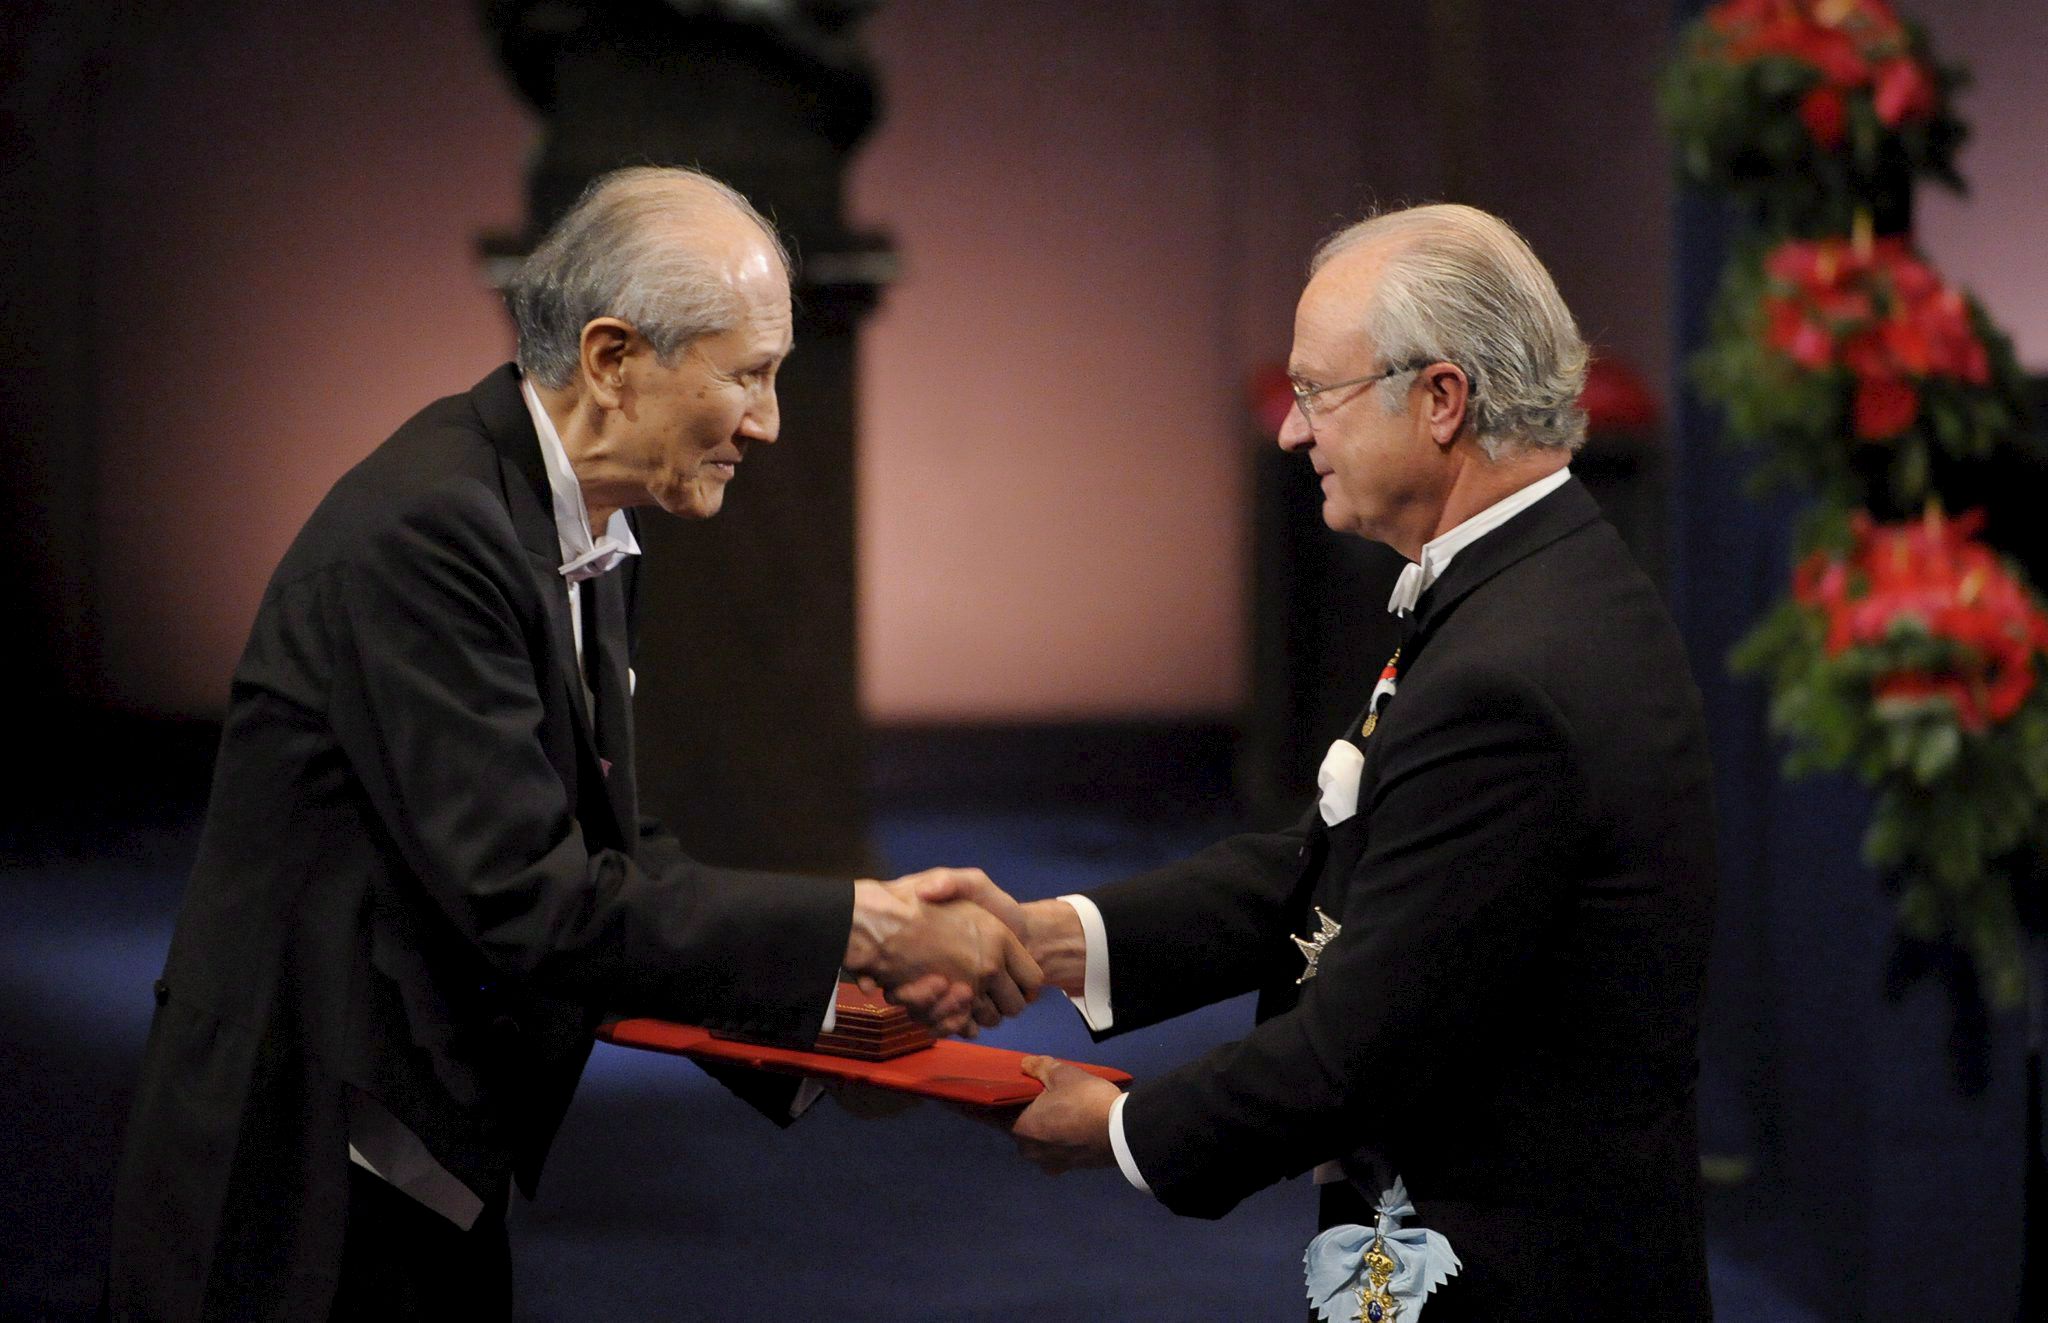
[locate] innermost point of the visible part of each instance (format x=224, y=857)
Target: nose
x=763, y=419
x=1294, y=429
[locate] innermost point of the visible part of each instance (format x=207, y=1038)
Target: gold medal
x=1390, y=674
x=1376, y=1304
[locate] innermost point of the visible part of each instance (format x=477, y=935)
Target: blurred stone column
x=749, y=733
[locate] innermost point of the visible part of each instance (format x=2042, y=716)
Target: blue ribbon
x=1335, y=1261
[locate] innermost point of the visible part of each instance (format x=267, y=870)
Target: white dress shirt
x=1094, y=1003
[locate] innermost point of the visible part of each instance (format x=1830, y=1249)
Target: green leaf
x=1909, y=480
x=1884, y=841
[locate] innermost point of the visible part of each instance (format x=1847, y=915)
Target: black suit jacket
x=1509, y=1018
x=423, y=876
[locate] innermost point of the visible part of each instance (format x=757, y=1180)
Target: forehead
x=763, y=291
x=1329, y=320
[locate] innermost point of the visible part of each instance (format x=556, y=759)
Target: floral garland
x=1910, y=653
x=1905, y=652
x=1802, y=109
x=1854, y=363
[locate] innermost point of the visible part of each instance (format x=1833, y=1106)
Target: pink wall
x=1104, y=209
x=1992, y=240
x=287, y=201
x=1048, y=493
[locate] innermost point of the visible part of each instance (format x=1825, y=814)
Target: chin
x=694, y=502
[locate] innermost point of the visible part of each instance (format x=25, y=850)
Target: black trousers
x=401, y=1260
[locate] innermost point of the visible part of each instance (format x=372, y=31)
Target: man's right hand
x=1050, y=929
x=907, y=944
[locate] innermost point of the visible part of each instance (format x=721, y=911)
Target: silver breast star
x=1312, y=947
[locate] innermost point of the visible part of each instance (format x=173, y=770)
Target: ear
x=602, y=354
x=1446, y=401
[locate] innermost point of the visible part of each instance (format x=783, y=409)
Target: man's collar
x=1438, y=551
x=582, y=556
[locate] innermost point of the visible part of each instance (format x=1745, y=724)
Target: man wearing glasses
x=1480, y=954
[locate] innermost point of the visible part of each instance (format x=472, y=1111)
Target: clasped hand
x=1067, y=1126
x=949, y=961
x=958, y=951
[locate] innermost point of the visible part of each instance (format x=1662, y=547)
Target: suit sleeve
x=1202, y=930
x=1474, y=823
x=439, y=714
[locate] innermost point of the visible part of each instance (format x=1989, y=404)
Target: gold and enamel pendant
x=1376, y=1304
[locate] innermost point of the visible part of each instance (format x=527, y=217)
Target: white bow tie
x=603, y=555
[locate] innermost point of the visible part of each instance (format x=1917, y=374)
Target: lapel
x=1334, y=852
x=1566, y=510
x=606, y=651
x=502, y=409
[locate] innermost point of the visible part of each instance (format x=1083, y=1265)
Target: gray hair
x=616, y=254
x=1460, y=286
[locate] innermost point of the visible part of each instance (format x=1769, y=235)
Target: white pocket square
x=1338, y=781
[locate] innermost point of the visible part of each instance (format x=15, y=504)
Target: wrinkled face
x=1374, y=466
x=687, y=425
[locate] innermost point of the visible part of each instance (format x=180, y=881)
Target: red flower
x=1935, y=574
x=1843, y=305
x=1863, y=354
x=1880, y=311
x=1903, y=91
x=1834, y=53
x=1796, y=262
x=1802, y=340
x=1906, y=343
x=1820, y=579
x=1811, y=346
x=1617, y=399
x=1952, y=341
x=1838, y=38
x=1884, y=407
x=1976, y=363
x=1910, y=276
x=1879, y=16
x=1269, y=396
x=1738, y=14
x=1826, y=116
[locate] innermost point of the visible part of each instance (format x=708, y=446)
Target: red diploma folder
x=955, y=1071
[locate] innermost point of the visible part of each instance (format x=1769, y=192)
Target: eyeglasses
x=1304, y=395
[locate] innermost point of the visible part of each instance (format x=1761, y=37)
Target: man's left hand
x=1067, y=1127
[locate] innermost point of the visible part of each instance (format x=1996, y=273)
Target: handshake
x=957, y=951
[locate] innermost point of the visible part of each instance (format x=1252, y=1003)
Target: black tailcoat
x=423, y=875
x=1510, y=1016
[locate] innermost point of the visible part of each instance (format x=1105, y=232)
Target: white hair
x=1460, y=286
x=616, y=254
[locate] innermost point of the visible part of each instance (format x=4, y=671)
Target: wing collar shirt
x=1093, y=1003
x=583, y=557
x=378, y=1141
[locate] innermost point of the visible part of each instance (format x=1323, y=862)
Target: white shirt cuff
x=1117, y=1144
x=1093, y=1003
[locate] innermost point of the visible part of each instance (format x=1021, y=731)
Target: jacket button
x=163, y=992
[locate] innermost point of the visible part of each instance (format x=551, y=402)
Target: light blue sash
x=1341, y=1288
